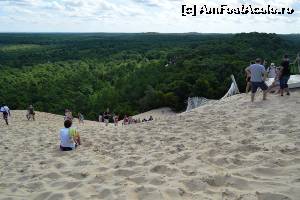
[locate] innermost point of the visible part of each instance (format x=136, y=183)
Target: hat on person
x=272, y=64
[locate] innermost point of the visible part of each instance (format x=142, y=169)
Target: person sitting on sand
x=258, y=76
x=30, y=113
x=6, y=113
x=69, y=137
x=80, y=118
x=150, y=118
x=275, y=84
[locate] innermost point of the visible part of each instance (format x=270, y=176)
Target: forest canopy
x=128, y=73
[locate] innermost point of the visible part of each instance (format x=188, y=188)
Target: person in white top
x=6, y=112
x=271, y=71
x=69, y=137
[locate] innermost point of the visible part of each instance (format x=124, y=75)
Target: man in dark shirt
x=106, y=116
x=284, y=75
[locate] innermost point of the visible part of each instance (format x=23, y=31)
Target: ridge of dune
x=231, y=149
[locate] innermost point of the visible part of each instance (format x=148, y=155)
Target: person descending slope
x=30, y=113
x=6, y=112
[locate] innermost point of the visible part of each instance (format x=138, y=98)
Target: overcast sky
x=140, y=16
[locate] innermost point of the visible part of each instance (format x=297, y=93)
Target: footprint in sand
x=138, y=180
x=195, y=185
x=75, y=195
x=163, y=169
x=59, y=165
x=148, y=193
x=53, y=175
x=70, y=185
x=271, y=196
x=56, y=197
x=42, y=196
x=124, y=172
x=157, y=181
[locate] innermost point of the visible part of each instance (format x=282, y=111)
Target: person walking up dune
x=258, y=75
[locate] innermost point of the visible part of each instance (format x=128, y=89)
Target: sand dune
x=230, y=150
x=159, y=114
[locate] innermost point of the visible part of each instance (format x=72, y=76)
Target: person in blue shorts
x=258, y=76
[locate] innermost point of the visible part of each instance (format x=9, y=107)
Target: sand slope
x=231, y=150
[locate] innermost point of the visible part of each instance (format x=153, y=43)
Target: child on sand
x=80, y=118
x=116, y=120
x=69, y=137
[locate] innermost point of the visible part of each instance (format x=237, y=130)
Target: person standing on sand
x=248, y=79
x=116, y=119
x=68, y=115
x=100, y=118
x=30, y=113
x=258, y=75
x=271, y=71
x=80, y=118
x=284, y=75
x=106, y=116
x=6, y=112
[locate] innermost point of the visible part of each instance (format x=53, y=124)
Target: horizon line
x=149, y=32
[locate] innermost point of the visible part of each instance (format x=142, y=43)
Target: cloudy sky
x=140, y=16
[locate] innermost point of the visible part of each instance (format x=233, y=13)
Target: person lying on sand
x=69, y=137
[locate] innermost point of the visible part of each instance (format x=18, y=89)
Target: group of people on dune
x=257, y=74
x=106, y=116
x=70, y=137
x=6, y=113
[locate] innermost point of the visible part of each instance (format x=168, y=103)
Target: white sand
x=232, y=150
